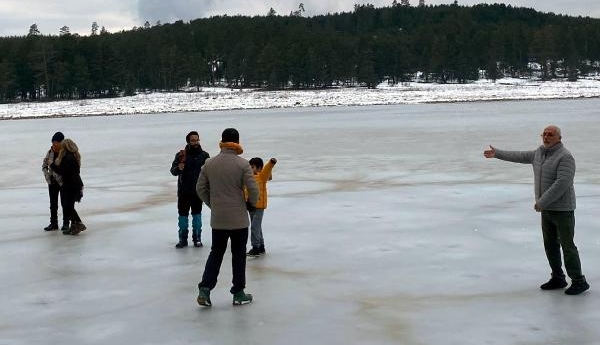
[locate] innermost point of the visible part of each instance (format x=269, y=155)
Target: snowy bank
x=209, y=99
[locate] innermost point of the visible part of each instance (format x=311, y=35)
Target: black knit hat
x=187, y=137
x=58, y=137
x=230, y=135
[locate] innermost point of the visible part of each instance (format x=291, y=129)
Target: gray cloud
x=16, y=15
x=168, y=11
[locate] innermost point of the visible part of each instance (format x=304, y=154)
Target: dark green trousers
x=558, y=228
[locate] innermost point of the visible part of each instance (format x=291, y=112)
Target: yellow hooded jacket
x=262, y=178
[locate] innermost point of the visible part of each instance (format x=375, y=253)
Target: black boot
x=196, y=240
x=577, y=286
x=556, y=282
x=182, y=243
x=254, y=252
x=53, y=226
x=65, y=225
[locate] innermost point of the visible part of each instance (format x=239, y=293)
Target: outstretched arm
x=525, y=157
x=265, y=173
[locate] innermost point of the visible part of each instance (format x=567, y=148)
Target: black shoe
x=65, y=225
x=554, y=283
x=51, y=227
x=261, y=250
x=181, y=244
x=254, y=251
x=577, y=287
x=197, y=244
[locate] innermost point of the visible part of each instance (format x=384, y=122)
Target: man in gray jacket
x=221, y=187
x=553, y=171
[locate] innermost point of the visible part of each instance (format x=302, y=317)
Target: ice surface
x=385, y=226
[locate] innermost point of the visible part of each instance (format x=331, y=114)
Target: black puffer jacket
x=193, y=159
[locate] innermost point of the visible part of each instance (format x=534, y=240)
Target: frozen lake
x=385, y=226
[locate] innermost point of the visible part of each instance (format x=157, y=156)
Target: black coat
x=69, y=170
x=193, y=159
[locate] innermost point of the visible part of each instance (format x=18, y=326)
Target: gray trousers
x=558, y=228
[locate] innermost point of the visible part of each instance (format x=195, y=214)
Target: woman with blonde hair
x=68, y=165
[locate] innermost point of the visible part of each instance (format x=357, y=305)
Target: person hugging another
x=68, y=165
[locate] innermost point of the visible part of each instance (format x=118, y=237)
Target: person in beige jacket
x=54, y=181
x=221, y=187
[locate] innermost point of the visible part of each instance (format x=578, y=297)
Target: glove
x=250, y=207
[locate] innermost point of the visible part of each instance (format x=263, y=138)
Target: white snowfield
x=227, y=99
x=385, y=226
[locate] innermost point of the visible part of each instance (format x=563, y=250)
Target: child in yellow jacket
x=262, y=174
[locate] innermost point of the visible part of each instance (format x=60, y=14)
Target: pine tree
x=33, y=30
x=94, y=29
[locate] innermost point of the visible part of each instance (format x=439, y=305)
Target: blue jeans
x=256, y=236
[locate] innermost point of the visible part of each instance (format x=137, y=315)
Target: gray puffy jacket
x=553, y=172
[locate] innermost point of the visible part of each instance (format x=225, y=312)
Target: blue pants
x=256, y=235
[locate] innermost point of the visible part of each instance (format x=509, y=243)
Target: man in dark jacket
x=187, y=165
x=54, y=181
x=553, y=171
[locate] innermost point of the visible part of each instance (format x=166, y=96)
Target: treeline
x=446, y=43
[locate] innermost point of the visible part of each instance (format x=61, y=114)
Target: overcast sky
x=16, y=16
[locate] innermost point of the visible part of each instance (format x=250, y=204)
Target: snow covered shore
x=209, y=99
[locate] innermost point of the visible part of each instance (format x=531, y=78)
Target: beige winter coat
x=221, y=187
x=50, y=175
